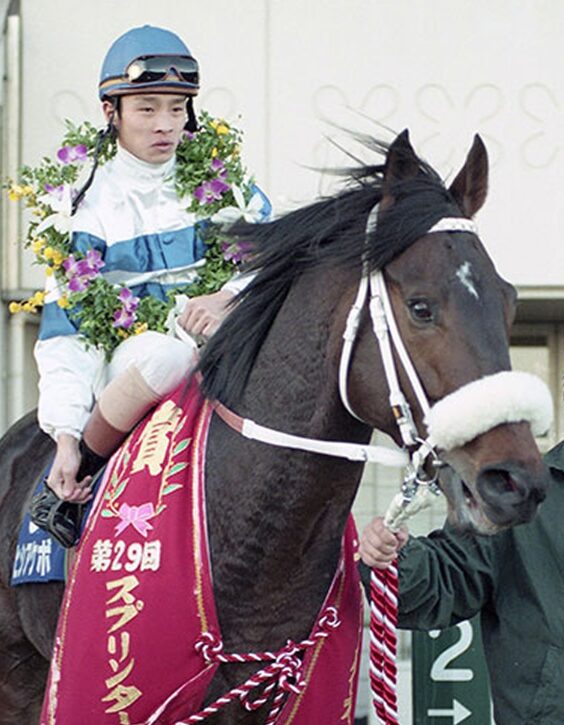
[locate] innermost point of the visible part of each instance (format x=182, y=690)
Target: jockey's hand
x=203, y=315
x=379, y=546
x=62, y=477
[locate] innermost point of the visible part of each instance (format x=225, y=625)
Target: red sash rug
x=140, y=595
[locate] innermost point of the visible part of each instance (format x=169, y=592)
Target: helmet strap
x=191, y=123
x=107, y=132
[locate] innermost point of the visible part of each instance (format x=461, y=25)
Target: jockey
x=149, y=242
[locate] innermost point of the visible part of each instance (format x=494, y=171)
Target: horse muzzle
x=510, y=493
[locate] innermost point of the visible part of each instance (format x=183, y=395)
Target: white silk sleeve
x=68, y=375
x=238, y=282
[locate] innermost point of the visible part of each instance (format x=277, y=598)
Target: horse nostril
x=510, y=497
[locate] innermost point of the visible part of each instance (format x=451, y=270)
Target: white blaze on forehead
x=464, y=274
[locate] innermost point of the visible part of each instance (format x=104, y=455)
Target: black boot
x=63, y=519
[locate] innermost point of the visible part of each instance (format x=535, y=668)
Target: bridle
x=385, y=329
x=519, y=397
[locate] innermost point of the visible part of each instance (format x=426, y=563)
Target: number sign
x=450, y=683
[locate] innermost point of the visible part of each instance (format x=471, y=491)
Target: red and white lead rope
x=283, y=674
x=383, y=643
x=384, y=608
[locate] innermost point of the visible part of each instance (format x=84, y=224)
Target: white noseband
x=506, y=397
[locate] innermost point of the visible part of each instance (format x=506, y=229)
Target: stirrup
x=61, y=519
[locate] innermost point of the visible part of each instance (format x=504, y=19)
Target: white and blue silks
x=149, y=242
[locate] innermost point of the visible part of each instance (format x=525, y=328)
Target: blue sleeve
x=266, y=209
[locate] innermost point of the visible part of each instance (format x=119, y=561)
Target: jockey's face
x=149, y=126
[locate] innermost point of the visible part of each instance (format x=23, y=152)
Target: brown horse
x=276, y=517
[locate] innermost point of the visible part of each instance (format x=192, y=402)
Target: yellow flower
x=15, y=307
x=27, y=190
x=124, y=334
x=214, y=152
x=58, y=259
x=15, y=192
x=49, y=271
x=140, y=327
x=49, y=253
x=220, y=126
x=38, y=298
x=37, y=245
x=63, y=302
x=28, y=306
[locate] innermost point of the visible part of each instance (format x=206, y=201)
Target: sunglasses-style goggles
x=150, y=68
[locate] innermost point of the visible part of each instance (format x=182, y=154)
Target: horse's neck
x=277, y=516
x=293, y=381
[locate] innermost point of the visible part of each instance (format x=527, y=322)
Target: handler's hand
x=203, y=315
x=379, y=546
x=62, y=477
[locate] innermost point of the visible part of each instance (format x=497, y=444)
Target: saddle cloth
x=139, y=594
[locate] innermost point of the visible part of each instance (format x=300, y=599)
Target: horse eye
x=421, y=311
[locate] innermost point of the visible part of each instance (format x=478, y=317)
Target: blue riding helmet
x=148, y=58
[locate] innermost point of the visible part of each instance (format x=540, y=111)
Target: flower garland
x=211, y=182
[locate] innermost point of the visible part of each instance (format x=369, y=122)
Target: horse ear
x=470, y=187
x=401, y=163
x=401, y=160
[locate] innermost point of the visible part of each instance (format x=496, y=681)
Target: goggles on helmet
x=152, y=68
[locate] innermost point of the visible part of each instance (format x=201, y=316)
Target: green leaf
x=181, y=446
x=176, y=468
x=119, y=489
x=170, y=488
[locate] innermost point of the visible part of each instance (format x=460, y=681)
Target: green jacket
x=516, y=581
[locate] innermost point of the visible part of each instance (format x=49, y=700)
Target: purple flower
x=128, y=300
x=72, y=154
x=188, y=135
x=236, y=252
x=217, y=164
x=78, y=284
x=94, y=260
x=80, y=272
x=56, y=191
x=211, y=191
x=123, y=318
x=70, y=265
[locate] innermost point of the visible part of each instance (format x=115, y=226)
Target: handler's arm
x=444, y=578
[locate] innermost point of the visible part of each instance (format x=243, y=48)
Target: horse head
x=454, y=313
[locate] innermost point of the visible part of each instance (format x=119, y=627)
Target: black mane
x=329, y=231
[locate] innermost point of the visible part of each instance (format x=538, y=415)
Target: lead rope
x=384, y=605
x=416, y=491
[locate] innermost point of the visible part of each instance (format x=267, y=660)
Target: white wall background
x=444, y=68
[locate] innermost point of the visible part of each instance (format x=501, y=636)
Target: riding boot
x=63, y=519
x=90, y=462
